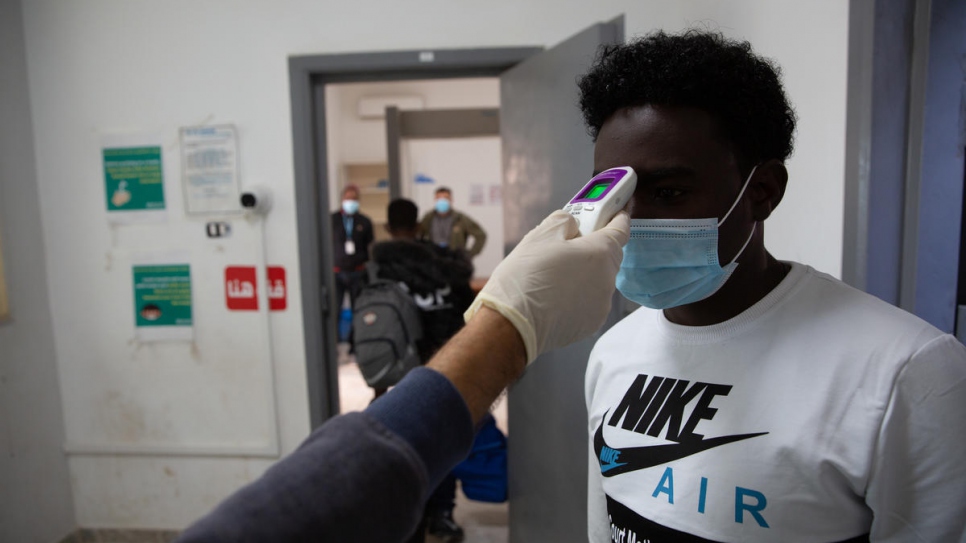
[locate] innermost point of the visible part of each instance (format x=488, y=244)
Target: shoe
x=441, y=524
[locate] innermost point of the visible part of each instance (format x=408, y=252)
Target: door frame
x=308, y=75
x=903, y=159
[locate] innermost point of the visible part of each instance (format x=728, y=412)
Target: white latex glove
x=556, y=287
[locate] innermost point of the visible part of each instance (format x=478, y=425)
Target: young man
x=437, y=277
x=750, y=399
x=439, y=281
x=351, y=236
x=452, y=229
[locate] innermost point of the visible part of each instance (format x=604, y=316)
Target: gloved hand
x=556, y=287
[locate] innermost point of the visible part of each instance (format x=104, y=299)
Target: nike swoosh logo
x=635, y=458
x=604, y=468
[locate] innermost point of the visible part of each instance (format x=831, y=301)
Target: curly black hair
x=402, y=214
x=699, y=69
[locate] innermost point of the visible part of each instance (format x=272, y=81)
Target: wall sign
x=277, y=288
x=133, y=178
x=162, y=302
x=241, y=288
x=209, y=163
x=477, y=194
x=218, y=229
x=240, y=285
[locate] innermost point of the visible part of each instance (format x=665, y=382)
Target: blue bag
x=483, y=475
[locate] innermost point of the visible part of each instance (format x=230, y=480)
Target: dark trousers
x=351, y=282
x=442, y=499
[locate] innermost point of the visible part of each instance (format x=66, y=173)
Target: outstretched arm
x=388, y=458
x=481, y=360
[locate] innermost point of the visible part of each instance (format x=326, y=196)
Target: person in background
x=438, y=279
x=749, y=398
x=449, y=228
x=351, y=237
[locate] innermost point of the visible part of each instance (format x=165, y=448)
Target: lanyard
x=347, y=224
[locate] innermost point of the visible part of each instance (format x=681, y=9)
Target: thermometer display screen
x=595, y=191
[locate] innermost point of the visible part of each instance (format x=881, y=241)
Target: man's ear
x=768, y=187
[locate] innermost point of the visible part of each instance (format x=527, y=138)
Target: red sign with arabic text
x=276, y=288
x=240, y=288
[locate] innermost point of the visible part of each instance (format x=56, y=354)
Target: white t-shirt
x=819, y=414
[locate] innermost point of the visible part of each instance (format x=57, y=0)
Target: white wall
x=457, y=163
x=35, y=496
x=115, y=65
x=467, y=166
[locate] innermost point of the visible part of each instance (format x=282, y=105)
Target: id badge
x=350, y=247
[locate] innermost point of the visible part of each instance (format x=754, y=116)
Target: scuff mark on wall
x=124, y=417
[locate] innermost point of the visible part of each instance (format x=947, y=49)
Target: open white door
x=547, y=156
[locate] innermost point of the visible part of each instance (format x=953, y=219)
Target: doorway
x=348, y=131
x=308, y=77
x=364, y=152
x=547, y=155
x=356, y=128
x=904, y=160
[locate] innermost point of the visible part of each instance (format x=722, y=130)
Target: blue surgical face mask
x=350, y=207
x=442, y=205
x=674, y=262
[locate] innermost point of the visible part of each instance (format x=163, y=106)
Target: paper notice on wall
x=209, y=163
x=133, y=178
x=496, y=195
x=477, y=195
x=162, y=300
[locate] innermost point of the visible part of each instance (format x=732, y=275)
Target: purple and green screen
x=595, y=191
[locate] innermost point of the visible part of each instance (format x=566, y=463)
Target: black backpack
x=386, y=324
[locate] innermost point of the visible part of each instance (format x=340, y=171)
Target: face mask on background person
x=442, y=205
x=673, y=262
x=350, y=207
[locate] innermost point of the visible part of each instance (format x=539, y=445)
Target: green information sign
x=133, y=178
x=162, y=295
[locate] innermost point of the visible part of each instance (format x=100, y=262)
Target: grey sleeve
x=361, y=477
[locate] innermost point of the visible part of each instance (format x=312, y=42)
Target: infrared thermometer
x=601, y=198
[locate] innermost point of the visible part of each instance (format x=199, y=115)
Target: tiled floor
x=482, y=522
